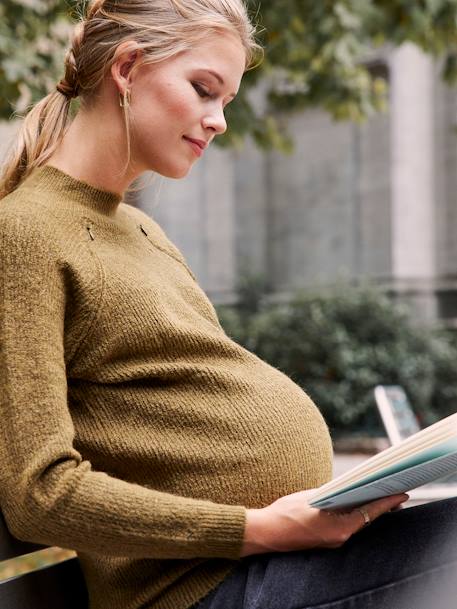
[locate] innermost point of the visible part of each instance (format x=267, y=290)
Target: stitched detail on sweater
x=102, y=278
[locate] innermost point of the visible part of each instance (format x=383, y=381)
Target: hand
x=290, y=523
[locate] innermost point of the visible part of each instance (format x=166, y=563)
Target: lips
x=196, y=145
x=200, y=143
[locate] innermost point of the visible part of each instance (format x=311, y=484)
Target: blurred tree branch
x=314, y=53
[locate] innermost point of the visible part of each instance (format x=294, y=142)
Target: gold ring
x=365, y=516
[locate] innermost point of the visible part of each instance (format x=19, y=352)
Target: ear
x=127, y=56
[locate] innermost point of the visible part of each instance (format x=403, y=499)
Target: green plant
x=338, y=344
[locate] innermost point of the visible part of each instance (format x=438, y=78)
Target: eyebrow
x=218, y=77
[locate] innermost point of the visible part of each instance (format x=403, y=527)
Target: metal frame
x=396, y=412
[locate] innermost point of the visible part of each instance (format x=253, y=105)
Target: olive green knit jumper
x=133, y=430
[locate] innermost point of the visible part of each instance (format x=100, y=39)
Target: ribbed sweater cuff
x=221, y=530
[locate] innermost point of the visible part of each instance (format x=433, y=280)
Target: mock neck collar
x=48, y=178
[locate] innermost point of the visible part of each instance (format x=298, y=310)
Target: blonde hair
x=159, y=28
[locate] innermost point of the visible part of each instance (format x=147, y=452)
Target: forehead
x=221, y=53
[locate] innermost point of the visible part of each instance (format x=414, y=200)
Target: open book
x=423, y=457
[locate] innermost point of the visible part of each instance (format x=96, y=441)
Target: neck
x=94, y=150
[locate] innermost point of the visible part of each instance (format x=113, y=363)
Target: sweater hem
x=201, y=585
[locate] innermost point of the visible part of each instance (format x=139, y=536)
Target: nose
x=215, y=120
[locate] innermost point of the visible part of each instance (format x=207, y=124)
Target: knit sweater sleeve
x=49, y=493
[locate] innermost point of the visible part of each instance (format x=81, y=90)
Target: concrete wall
x=251, y=236
x=373, y=251
x=311, y=213
x=329, y=203
x=446, y=197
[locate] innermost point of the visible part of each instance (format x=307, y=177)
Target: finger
x=363, y=515
x=378, y=507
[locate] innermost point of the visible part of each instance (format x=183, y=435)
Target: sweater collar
x=48, y=178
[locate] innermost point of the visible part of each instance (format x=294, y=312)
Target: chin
x=175, y=173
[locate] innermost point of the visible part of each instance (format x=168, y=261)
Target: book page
x=434, y=441
x=424, y=457
x=398, y=482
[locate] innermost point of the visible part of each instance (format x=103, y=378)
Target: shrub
x=339, y=344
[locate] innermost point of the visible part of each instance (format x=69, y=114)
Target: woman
x=133, y=429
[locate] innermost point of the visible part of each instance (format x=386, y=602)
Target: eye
x=200, y=90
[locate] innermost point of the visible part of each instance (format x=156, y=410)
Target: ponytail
x=40, y=133
x=43, y=127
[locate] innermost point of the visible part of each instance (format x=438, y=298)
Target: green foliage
x=314, y=56
x=33, y=38
x=315, y=51
x=340, y=343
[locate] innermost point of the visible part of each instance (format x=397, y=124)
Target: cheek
x=180, y=115
x=174, y=104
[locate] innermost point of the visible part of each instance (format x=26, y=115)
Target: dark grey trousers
x=404, y=560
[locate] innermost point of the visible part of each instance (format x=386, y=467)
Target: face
x=183, y=99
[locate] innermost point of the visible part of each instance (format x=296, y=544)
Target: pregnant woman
x=133, y=429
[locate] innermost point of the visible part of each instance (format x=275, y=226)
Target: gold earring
x=124, y=100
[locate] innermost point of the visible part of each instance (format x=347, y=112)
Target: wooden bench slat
x=59, y=586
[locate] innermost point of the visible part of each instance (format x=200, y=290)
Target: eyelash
x=200, y=90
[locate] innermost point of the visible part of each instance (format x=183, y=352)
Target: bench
x=58, y=586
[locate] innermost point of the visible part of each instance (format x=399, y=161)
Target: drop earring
x=124, y=100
